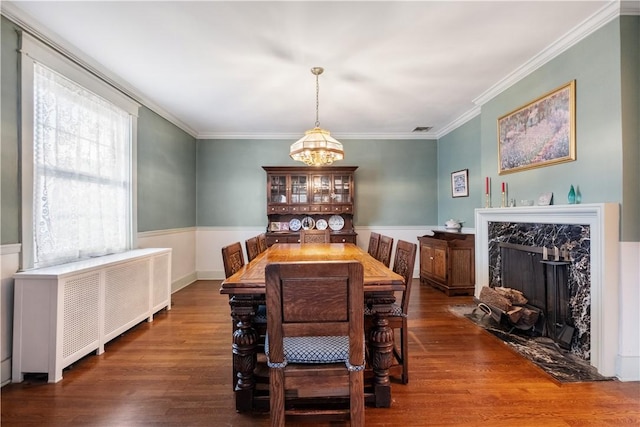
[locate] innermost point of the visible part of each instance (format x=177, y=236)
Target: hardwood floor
x=176, y=371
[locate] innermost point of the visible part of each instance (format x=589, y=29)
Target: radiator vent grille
x=160, y=277
x=81, y=303
x=126, y=294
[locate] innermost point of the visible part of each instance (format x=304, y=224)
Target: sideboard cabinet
x=447, y=262
x=310, y=197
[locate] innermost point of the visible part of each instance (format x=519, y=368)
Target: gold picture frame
x=540, y=133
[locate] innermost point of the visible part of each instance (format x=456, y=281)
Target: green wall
x=166, y=174
x=9, y=192
x=460, y=149
x=166, y=159
x=630, y=48
x=394, y=180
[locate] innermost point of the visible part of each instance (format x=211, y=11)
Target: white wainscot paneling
x=628, y=364
x=209, y=244
x=182, y=242
x=9, y=264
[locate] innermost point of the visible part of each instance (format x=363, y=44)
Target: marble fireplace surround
x=603, y=219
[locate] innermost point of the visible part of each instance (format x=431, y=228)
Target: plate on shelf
x=295, y=224
x=308, y=223
x=336, y=222
x=321, y=224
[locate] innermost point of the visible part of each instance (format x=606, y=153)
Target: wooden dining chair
x=315, y=339
x=262, y=242
x=232, y=258
x=403, y=264
x=315, y=236
x=384, y=250
x=251, y=245
x=374, y=242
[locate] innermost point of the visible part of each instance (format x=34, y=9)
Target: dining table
x=246, y=291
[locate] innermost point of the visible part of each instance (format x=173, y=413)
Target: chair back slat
x=232, y=258
x=252, y=248
x=374, y=242
x=315, y=236
x=384, y=250
x=403, y=264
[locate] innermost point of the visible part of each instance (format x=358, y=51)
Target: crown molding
x=37, y=30
x=587, y=27
x=464, y=118
x=295, y=136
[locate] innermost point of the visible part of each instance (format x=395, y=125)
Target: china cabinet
x=447, y=262
x=310, y=198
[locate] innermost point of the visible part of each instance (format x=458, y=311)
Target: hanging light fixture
x=317, y=147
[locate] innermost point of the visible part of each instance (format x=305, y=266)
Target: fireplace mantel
x=603, y=219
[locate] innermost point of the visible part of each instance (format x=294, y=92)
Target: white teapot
x=453, y=224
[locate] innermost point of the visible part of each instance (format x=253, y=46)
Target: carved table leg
x=244, y=346
x=381, y=347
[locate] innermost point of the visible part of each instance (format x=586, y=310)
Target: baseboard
x=5, y=372
x=211, y=275
x=183, y=282
x=628, y=368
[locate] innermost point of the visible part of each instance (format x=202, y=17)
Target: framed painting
x=460, y=183
x=541, y=133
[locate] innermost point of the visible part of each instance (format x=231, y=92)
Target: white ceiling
x=242, y=69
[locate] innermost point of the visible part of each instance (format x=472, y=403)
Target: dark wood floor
x=176, y=371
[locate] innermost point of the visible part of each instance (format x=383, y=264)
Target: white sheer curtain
x=82, y=172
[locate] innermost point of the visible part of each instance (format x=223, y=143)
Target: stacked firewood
x=512, y=303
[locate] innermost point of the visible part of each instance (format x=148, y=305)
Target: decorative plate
x=295, y=224
x=336, y=222
x=321, y=224
x=308, y=223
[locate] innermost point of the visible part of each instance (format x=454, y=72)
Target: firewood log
x=515, y=296
x=515, y=314
x=492, y=298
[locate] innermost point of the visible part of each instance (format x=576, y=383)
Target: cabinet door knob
x=430, y=257
x=279, y=240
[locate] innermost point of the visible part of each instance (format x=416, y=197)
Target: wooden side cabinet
x=447, y=262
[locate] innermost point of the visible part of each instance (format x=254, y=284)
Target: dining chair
x=315, y=339
x=403, y=264
x=262, y=242
x=374, y=242
x=315, y=236
x=251, y=245
x=232, y=258
x=384, y=250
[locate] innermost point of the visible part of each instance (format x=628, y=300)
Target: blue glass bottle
x=572, y=195
x=578, y=195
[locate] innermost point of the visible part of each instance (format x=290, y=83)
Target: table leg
x=381, y=348
x=245, y=339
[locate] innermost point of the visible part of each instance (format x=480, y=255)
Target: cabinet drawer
x=342, y=239
x=277, y=209
x=299, y=208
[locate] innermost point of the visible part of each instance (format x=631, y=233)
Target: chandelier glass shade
x=317, y=147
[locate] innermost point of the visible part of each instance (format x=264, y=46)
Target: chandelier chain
x=317, y=101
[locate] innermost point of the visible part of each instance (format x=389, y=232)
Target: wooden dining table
x=246, y=290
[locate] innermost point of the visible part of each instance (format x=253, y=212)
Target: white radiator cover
x=65, y=312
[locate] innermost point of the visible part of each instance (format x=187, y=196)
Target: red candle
x=486, y=186
x=503, y=187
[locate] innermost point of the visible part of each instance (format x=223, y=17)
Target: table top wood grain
x=251, y=279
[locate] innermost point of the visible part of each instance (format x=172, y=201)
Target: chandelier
x=316, y=147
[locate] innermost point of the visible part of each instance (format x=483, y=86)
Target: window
x=78, y=176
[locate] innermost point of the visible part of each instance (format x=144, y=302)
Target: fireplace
x=599, y=265
x=543, y=279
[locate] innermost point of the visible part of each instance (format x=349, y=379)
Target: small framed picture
x=460, y=183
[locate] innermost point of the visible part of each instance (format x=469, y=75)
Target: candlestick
x=486, y=186
x=503, y=187
x=487, y=201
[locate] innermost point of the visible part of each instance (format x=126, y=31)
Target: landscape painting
x=541, y=133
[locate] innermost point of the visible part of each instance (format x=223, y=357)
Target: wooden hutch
x=447, y=262
x=307, y=198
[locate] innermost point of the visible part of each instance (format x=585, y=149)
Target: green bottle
x=572, y=196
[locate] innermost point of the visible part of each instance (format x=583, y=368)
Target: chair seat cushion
x=314, y=349
x=261, y=314
x=396, y=310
